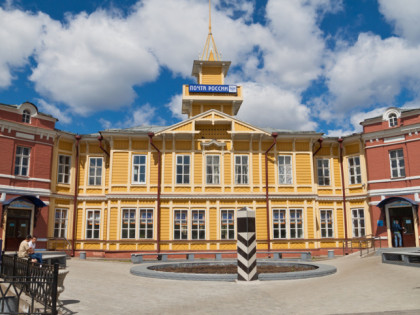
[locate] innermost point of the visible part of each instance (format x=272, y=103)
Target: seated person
x=24, y=248
x=32, y=254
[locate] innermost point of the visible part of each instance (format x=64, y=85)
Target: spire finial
x=209, y=16
x=210, y=51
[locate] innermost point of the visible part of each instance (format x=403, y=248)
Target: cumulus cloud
x=19, y=34
x=405, y=15
x=63, y=116
x=269, y=106
x=92, y=63
x=371, y=72
x=144, y=115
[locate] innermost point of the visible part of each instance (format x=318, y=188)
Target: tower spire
x=210, y=52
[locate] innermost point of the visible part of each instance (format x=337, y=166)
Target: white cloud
x=405, y=14
x=371, y=72
x=145, y=115
x=62, y=115
x=175, y=106
x=269, y=106
x=92, y=63
x=19, y=35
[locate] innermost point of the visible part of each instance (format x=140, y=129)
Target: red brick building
x=26, y=141
x=392, y=148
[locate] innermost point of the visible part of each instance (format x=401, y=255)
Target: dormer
x=392, y=115
x=27, y=110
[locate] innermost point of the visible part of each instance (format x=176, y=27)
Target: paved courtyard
x=360, y=286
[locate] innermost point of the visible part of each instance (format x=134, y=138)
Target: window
x=327, y=223
x=198, y=225
x=95, y=171
x=60, y=224
x=139, y=169
x=227, y=225
x=285, y=169
x=146, y=223
x=396, y=158
x=296, y=224
x=182, y=169
x=128, y=228
x=279, y=223
x=358, y=218
x=213, y=169
x=22, y=161
x=323, y=172
x=93, y=223
x=26, y=116
x=63, y=169
x=181, y=224
x=354, y=170
x=392, y=120
x=241, y=169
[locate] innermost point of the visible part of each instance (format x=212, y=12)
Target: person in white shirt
x=32, y=245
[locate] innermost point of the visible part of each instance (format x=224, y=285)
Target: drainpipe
x=320, y=146
x=274, y=135
x=100, y=138
x=151, y=135
x=76, y=192
x=343, y=188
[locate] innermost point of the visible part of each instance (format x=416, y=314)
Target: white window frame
x=399, y=156
x=128, y=231
x=392, y=120
x=355, y=171
x=285, y=169
x=241, y=169
x=322, y=177
x=213, y=169
x=139, y=169
x=95, y=221
x=295, y=220
x=22, y=161
x=358, y=222
x=64, y=167
x=229, y=223
x=26, y=116
x=326, y=223
x=279, y=219
x=97, y=169
x=147, y=221
x=183, y=225
x=60, y=222
x=198, y=224
x=182, y=169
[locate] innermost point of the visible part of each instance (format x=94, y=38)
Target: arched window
x=26, y=116
x=392, y=120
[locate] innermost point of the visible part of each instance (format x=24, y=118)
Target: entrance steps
x=379, y=251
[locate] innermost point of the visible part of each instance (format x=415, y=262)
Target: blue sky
x=304, y=65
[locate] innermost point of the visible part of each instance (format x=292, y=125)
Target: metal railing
x=23, y=278
x=364, y=244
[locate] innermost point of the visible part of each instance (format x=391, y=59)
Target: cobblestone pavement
x=360, y=286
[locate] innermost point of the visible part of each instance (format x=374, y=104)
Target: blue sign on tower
x=205, y=88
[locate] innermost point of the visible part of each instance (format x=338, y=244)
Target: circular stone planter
x=144, y=270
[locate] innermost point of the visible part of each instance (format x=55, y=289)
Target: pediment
x=213, y=117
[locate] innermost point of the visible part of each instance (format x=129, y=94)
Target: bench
x=401, y=258
x=137, y=258
x=51, y=257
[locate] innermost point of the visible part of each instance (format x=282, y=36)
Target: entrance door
x=18, y=226
x=405, y=217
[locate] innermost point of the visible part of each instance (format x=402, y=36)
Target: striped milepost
x=247, y=245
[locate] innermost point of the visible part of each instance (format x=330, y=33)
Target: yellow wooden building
x=179, y=187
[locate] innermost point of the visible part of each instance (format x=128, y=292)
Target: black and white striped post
x=247, y=245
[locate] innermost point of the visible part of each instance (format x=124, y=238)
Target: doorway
x=405, y=216
x=18, y=226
